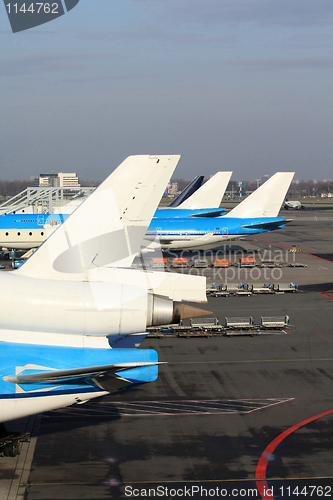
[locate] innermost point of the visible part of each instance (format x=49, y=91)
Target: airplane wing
x=105, y=377
x=108, y=227
x=267, y=225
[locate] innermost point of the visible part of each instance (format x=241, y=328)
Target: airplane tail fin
x=265, y=201
x=107, y=229
x=188, y=191
x=210, y=194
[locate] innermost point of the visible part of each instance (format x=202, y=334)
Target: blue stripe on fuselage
x=195, y=226
x=217, y=225
x=30, y=221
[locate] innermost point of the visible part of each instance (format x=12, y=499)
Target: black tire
x=11, y=449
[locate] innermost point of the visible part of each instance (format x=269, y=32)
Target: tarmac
x=241, y=417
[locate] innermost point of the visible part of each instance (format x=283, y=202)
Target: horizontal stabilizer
x=265, y=201
x=216, y=213
x=210, y=194
x=105, y=377
x=108, y=227
x=266, y=225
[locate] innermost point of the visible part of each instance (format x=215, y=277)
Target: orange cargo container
x=179, y=261
x=221, y=262
x=159, y=260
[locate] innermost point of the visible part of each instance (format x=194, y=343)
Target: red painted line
x=271, y=242
x=287, y=331
x=327, y=296
x=311, y=254
x=285, y=246
x=260, y=474
x=320, y=335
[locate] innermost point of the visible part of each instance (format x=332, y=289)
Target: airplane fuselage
x=204, y=232
x=296, y=205
x=29, y=231
x=25, y=231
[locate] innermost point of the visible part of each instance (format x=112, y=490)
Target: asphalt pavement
x=240, y=417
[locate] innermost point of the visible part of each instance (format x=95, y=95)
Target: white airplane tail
x=210, y=194
x=265, y=201
x=107, y=229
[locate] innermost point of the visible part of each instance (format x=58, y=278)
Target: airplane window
x=18, y=234
x=30, y=234
x=42, y=234
x=7, y=234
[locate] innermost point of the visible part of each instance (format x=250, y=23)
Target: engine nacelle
x=81, y=308
x=162, y=310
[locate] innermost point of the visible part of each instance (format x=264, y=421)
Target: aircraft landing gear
x=9, y=442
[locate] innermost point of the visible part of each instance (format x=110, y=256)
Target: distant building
x=60, y=179
x=172, y=188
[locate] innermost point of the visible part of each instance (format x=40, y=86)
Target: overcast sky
x=242, y=85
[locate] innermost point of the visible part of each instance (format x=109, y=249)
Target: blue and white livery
x=67, y=309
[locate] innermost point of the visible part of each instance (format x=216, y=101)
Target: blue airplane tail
x=188, y=191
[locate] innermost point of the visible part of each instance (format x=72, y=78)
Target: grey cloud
x=150, y=33
x=282, y=64
x=306, y=41
x=46, y=62
x=274, y=12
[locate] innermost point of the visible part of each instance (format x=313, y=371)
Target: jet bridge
x=42, y=199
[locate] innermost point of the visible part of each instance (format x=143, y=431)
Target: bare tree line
x=298, y=190
x=12, y=188
x=302, y=188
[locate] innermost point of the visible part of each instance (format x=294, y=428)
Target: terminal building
x=60, y=179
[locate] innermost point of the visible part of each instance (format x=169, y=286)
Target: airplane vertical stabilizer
x=188, y=191
x=265, y=201
x=210, y=194
x=108, y=227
